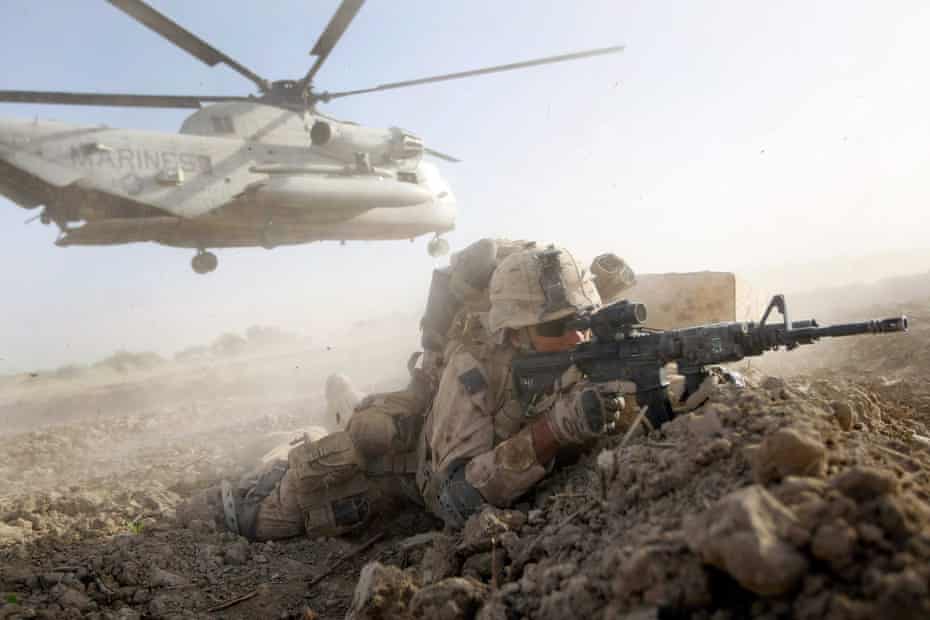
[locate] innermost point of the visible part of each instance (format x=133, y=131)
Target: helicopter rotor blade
x=464, y=74
x=336, y=27
x=442, y=156
x=183, y=38
x=110, y=99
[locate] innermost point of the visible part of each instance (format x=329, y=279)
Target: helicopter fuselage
x=238, y=174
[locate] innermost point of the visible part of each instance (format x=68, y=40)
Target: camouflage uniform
x=457, y=437
x=479, y=443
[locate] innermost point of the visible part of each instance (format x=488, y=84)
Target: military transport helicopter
x=259, y=170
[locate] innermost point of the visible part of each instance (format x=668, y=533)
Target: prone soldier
x=510, y=378
x=457, y=437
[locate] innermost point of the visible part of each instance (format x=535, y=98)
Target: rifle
x=622, y=349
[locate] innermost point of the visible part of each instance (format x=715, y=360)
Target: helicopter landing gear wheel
x=437, y=247
x=204, y=262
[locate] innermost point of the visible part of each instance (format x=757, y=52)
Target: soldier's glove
x=585, y=414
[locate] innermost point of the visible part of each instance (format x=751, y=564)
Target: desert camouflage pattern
x=467, y=412
x=476, y=418
x=518, y=300
x=612, y=276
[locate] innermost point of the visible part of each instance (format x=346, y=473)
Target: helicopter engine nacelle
x=321, y=133
x=405, y=145
x=382, y=145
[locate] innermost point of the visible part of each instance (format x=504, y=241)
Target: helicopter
x=260, y=170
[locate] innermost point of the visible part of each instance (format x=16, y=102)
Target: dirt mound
x=795, y=497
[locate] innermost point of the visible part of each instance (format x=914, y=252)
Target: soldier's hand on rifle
x=588, y=412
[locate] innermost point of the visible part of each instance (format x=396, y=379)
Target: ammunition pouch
x=333, y=492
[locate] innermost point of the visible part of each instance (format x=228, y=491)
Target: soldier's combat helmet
x=537, y=285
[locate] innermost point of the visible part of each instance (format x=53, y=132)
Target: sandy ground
x=804, y=495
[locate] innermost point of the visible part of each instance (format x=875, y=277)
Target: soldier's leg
x=329, y=486
x=261, y=506
x=321, y=490
x=279, y=515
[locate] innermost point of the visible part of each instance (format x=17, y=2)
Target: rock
x=478, y=566
x=551, y=577
x=10, y=535
x=200, y=526
x=162, y=605
x=439, y=561
x=664, y=576
x=22, y=524
x=159, y=500
x=513, y=544
x=871, y=533
x=418, y=540
x=489, y=523
x=795, y=489
x=843, y=414
x=141, y=596
x=381, y=592
x=834, y=543
x=745, y=534
x=163, y=579
x=717, y=449
x=576, y=598
x=236, y=553
x=706, y=425
x=772, y=384
x=77, y=504
x=457, y=598
x=788, y=452
x=907, y=593
x=864, y=483
x=843, y=607
x=71, y=598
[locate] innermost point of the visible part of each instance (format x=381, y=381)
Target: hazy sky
x=729, y=135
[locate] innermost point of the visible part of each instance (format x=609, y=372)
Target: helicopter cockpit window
x=222, y=124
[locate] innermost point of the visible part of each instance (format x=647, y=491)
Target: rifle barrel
x=877, y=326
